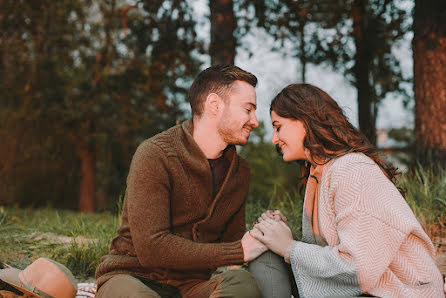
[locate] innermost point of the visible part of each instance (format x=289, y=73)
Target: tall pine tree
x=429, y=52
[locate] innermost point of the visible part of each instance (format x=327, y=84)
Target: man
x=184, y=207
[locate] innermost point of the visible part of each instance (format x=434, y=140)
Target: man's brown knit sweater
x=173, y=230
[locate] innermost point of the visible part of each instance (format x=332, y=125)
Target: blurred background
x=83, y=82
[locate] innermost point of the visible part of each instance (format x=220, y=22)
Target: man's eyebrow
x=253, y=105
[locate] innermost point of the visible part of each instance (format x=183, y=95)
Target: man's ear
x=212, y=104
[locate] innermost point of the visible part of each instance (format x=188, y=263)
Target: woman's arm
x=318, y=271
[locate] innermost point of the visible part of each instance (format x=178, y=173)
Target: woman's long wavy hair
x=328, y=132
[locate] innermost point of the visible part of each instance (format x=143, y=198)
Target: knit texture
x=172, y=228
x=374, y=242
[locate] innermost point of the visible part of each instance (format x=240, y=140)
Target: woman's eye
x=278, y=128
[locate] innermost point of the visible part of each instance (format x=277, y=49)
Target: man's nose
x=254, y=122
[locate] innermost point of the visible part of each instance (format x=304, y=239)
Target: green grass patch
x=425, y=192
x=73, y=239
x=290, y=203
x=80, y=240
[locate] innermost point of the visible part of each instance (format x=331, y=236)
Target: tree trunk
x=223, y=23
x=429, y=50
x=303, y=55
x=87, y=189
x=363, y=58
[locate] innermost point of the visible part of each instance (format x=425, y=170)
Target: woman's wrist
x=287, y=254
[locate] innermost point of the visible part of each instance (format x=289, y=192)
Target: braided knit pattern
x=375, y=244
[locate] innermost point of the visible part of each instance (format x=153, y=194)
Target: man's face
x=238, y=117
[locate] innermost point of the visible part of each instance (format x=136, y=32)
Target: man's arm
x=236, y=226
x=148, y=188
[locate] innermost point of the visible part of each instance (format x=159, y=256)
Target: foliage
x=358, y=41
x=405, y=152
x=87, y=80
x=354, y=37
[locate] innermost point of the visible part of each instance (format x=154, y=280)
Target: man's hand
x=273, y=214
x=275, y=234
x=252, y=248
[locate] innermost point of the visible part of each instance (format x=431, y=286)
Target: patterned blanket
x=86, y=290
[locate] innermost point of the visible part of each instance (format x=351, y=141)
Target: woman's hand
x=273, y=214
x=276, y=235
x=252, y=248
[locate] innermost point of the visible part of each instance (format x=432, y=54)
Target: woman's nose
x=275, y=139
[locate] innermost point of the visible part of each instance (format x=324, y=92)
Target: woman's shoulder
x=352, y=169
x=351, y=161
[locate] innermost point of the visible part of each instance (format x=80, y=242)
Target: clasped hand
x=270, y=232
x=274, y=232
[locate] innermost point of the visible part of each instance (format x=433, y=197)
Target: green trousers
x=274, y=276
x=231, y=283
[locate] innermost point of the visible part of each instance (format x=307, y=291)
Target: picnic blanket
x=85, y=290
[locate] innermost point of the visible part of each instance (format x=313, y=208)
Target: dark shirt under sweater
x=219, y=169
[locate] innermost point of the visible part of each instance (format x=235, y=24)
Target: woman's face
x=289, y=136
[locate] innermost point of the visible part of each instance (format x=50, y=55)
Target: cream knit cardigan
x=369, y=242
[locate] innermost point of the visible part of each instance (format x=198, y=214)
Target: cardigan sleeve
x=320, y=272
x=236, y=227
x=369, y=235
x=148, y=188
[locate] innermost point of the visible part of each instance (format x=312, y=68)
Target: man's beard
x=232, y=135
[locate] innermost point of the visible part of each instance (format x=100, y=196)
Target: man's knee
x=239, y=283
x=123, y=285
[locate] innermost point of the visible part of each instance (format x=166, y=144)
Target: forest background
x=83, y=82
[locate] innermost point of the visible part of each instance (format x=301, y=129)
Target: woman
x=359, y=236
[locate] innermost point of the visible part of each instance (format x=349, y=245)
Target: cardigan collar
x=311, y=203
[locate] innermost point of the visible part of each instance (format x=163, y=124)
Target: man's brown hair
x=216, y=79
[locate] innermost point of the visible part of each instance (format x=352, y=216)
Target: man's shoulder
x=163, y=141
x=243, y=163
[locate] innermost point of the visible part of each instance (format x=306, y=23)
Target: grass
x=290, y=203
x=75, y=240
x=425, y=192
x=79, y=240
